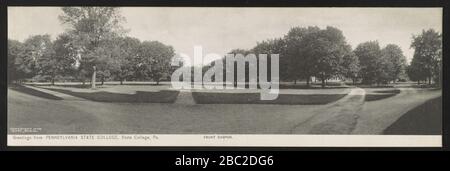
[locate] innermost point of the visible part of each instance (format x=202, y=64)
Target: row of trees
x=93, y=46
x=307, y=52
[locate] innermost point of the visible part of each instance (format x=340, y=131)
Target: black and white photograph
x=224, y=76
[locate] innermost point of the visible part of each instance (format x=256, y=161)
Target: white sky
x=218, y=30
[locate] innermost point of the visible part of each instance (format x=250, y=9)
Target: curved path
x=377, y=115
x=337, y=118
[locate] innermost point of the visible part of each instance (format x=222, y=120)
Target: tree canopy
x=427, y=56
x=95, y=45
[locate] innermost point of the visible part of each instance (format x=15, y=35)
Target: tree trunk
x=53, y=78
x=429, y=80
x=295, y=81
x=323, y=82
x=307, y=81
x=121, y=81
x=93, y=77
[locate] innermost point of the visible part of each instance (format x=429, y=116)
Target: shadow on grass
x=425, y=86
x=98, y=85
x=33, y=92
x=375, y=86
x=394, y=91
x=310, y=87
x=380, y=94
x=254, y=98
x=165, y=96
x=425, y=119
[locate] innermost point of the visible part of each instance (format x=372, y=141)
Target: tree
x=428, y=54
x=104, y=61
x=154, y=60
x=316, y=52
x=36, y=53
x=396, y=66
x=299, y=51
x=350, y=67
x=369, y=56
x=415, y=71
x=235, y=52
x=60, y=59
x=274, y=46
x=14, y=50
x=91, y=27
x=383, y=69
x=330, y=49
x=125, y=53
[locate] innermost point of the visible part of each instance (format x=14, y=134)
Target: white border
x=239, y=140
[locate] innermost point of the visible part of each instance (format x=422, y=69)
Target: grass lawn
x=254, y=98
x=163, y=96
x=425, y=119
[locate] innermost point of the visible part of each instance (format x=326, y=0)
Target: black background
x=148, y=158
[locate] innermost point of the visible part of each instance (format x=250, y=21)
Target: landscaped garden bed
x=254, y=98
x=164, y=96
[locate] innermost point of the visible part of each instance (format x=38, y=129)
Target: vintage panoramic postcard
x=224, y=76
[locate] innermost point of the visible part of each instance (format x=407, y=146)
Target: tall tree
x=92, y=28
x=274, y=46
x=396, y=66
x=126, y=52
x=64, y=60
x=14, y=51
x=428, y=53
x=32, y=61
x=154, y=60
x=59, y=61
x=316, y=52
x=299, y=50
x=350, y=67
x=415, y=71
x=369, y=56
x=235, y=52
x=330, y=49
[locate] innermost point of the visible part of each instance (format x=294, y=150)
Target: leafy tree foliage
x=35, y=57
x=395, y=61
x=299, y=51
x=14, y=51
x=350, y=67
x=427, y=55
x=154, y=60
x=369, y=54
x=92, y=29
